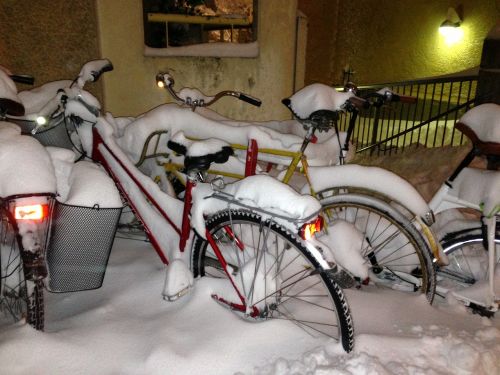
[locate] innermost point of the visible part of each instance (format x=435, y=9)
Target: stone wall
x=49, y=39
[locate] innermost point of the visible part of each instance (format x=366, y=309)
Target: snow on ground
x=126, y=328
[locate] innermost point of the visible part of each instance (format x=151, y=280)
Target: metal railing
x=429, y=122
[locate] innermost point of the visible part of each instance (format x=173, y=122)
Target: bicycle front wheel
x=276, y=274
x=395, y=253
x=19, y=298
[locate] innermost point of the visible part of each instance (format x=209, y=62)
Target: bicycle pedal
x=342, y=278
x=176, y=296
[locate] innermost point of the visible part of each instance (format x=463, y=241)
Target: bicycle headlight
x=309, y=229
x=41, y=120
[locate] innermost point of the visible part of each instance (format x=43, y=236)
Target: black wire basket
x=55, y=134
x=80, y=245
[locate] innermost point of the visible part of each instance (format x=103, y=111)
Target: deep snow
x=127, y=328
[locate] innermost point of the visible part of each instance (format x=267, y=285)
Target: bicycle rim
x=20, y=299
x=13, y=291
x=468, y=260
x=275, y=273
x=393, y=250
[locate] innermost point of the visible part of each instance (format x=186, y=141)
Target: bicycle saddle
x=199, y=155
x=10, y=104
x=322, y=119
x=481, y=125
x=11, y=107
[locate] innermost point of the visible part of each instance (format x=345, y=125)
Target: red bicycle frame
x=185, y=229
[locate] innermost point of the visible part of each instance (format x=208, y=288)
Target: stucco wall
x=130, y=89
x=388, y=40
x=49, y=39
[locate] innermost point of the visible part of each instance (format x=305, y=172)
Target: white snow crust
x=371, y=178
x=26, y=165
x=484, y=191
x=172, y=118
x=485, y=121
x=34, y=99
x=260, y=191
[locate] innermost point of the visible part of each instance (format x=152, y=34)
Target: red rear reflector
x=31, y=212
x=309, y=229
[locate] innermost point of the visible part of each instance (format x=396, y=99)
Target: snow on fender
x=258, y=191
x=371, y=178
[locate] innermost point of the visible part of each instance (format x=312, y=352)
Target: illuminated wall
x=388, y=40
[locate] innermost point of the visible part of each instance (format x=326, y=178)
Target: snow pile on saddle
x=485, y=121
x=259, y=191
x=317, y=97
x=25, y=164
x=199, y=148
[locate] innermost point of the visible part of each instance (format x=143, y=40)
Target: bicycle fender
x=373, y=179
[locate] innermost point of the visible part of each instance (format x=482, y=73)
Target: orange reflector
x=31, y=212
x=309, y=229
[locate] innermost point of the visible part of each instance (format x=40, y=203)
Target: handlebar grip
x=404, y=99
x=177, y=147
x=358, y=102
x=23, y=78
x=250, y=99
x=108, y=67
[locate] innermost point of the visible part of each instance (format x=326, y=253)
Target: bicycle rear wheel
x=396, y=254
x=20, y=298
x=278, y=276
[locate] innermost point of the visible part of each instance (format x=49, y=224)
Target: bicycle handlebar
x=91, y=71
x=165, y=80
x=23, y=78
x=358, y=102
x=386, y=95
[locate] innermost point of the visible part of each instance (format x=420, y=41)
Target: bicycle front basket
x=80, y=246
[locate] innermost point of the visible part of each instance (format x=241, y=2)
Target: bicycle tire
x=397, y=254
x=468, y=259
x=20, y=297
x=288, y=294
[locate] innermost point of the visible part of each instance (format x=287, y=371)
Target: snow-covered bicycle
x=254, y=237
x=472, y=242
x=27, y=192
x=385, y=218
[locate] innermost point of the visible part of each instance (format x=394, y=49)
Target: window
x=217, y=28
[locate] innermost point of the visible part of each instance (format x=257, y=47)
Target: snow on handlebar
x=195, y=98
x=92, y=70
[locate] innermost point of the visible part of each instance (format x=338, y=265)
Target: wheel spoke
x=279, y=277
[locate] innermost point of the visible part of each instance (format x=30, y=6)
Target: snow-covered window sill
x=248, y=50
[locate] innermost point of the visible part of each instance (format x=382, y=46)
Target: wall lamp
x=450, y=27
